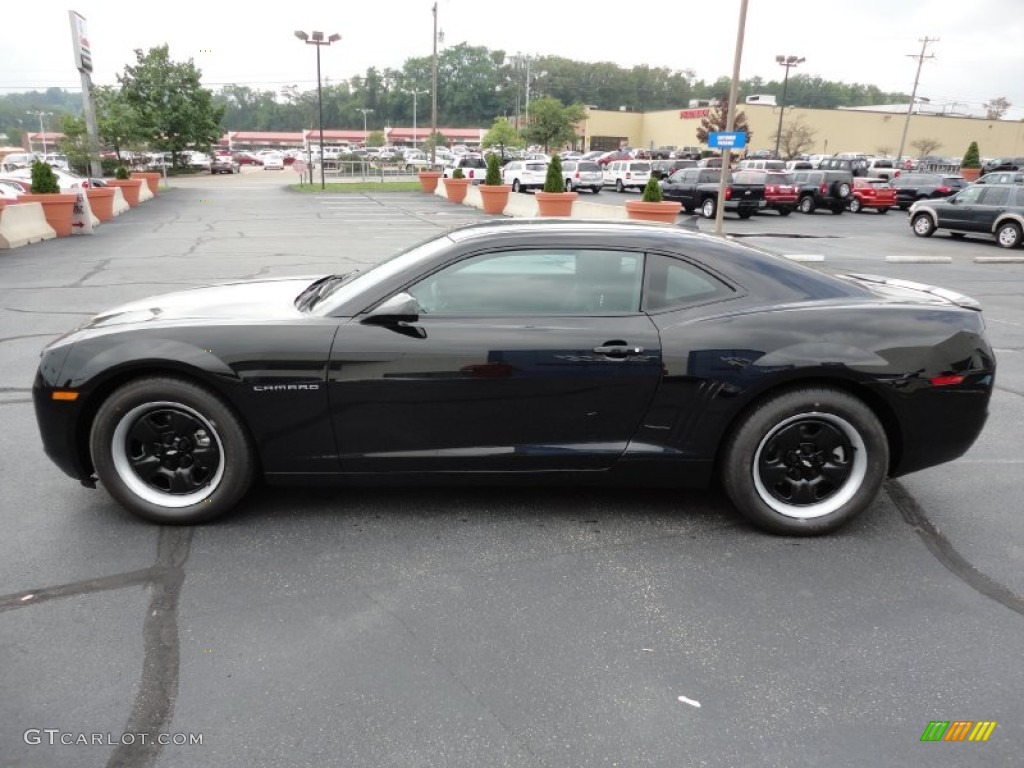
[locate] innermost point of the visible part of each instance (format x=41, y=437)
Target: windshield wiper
x=320, y=288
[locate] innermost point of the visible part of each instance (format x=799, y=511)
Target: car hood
x=256, y=300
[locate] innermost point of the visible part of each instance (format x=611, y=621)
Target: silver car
x=525, y=174
x=582, y=174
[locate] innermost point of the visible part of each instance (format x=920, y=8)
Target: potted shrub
x=494, y=194
x=58, y=208
x=970, y=166
x=152, y=179
x=554, y=200
x=101, y=201
x=428, y=180
x=130, y=187
x=455, y=187
x=651, y=207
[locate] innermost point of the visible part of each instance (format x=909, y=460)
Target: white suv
x=582, y=174
x=626, y=174
x=525, y=174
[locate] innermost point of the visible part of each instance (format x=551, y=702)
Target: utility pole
x=730, y=118
x=913, y=95
x=433, y=98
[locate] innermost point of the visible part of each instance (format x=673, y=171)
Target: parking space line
x=999, y=259
x=919, y=259
x=804, y=256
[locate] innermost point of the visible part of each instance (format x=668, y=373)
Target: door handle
x=618, y=350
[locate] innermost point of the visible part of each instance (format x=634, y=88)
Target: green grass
x=361, y=186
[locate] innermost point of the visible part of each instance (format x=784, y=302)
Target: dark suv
x=1003, y=164
x=823, y=189
x=923, y=186
x=857, y=166
x=993, y=210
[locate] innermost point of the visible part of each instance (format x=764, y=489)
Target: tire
x=744, y=214
x=856, y=206
x=568, y=185
x=883, y=210
x=841, y=189
x=837, y=209
x=806, y=461
x=618, y=186
x=1008, y=234
x=689, y=209
x=922, y=225
x=784, y=211
x=807, y=204
x=200, y=460
x=516, y=187
x=596, y=190
x=708, y=208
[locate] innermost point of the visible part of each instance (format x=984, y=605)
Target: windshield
x=342, y=292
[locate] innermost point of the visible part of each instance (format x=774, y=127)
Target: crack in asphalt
x=946, y=553
x=157, y=691
x=46, y=312
x=91, y=273
x=54, y=335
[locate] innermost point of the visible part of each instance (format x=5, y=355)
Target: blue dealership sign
x=727, y=140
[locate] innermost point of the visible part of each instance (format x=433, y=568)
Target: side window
x=992, y=195
x=970, y=195
x=535, y=282
x=673, y=283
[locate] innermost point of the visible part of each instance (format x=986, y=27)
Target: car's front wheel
x=516, y=186
x=807, y=204
x=806, y=461
x=708, y=208
x=1008, y=234
x=855, y=205
x=923, y=225
x=171, y=451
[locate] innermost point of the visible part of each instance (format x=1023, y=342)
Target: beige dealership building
x=835, y=130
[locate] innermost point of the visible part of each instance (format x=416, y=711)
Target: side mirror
x=400, y=308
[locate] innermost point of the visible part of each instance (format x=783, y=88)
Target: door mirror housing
x=400, y=308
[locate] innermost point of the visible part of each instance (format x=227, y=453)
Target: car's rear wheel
x=856, y=206
x=516, y=187
x=619, y=186
x=171, y=451
x=806, y=461
x=1008, y=234
x=923, y=225
x=807, y=204
x=568, y=185
x=784, y=211
x=883, y=210
x=708, y=208
x=595, y=190
x=744, y=214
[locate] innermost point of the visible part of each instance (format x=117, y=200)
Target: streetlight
x=42, y=130
x=788, y=62
x=365, y=113
x=317, y=39
x=414, y=95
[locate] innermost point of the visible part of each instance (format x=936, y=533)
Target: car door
x=990, y=206
x=962, y=211
x=519, y=359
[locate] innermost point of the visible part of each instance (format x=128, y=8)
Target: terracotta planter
x=129, y=188
x=152, y=179
x=101, y=200
x=58, y=209
x=970, y=174
x=456, y=189
x=664, y=211
x=555, y=203
x=428, y=180
x=494, y=198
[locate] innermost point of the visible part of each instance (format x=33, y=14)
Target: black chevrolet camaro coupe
x=558, y=350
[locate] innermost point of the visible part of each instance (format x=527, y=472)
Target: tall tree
x=995, y=109
x=117, y=121
x=716, y=120
x=174, y=111
x=552, y=124
x=796, y=137
x=502, y=135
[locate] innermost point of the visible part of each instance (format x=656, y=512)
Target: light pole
x=317, y=39
x=42, y=130
x=365, y=113
x=433, y=96
x=788, y=62
x=414, y=95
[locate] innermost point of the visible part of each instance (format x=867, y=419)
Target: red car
x=872, y=193
x=781, y=193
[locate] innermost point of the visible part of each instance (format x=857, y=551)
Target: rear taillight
x=577, y=174
x=895, y=174
x=946, y=381
x=471, y=173
x=85, y=183
x=943, y=190
x=728, y=193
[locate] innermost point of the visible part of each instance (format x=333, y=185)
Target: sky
x=977, y=51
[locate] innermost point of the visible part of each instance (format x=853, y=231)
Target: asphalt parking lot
x=493, y=626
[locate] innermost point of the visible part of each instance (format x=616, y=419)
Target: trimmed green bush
x=458, y=174
x=554, y=182
x=652, y=192
x=122, y=172
x=44, y=180
x=972, y=158
x=493, y=177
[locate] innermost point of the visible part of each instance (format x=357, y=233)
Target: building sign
x=693, y=114
x=80, y=43
x=727, y=140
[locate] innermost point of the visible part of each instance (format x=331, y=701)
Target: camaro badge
x=284, y=387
